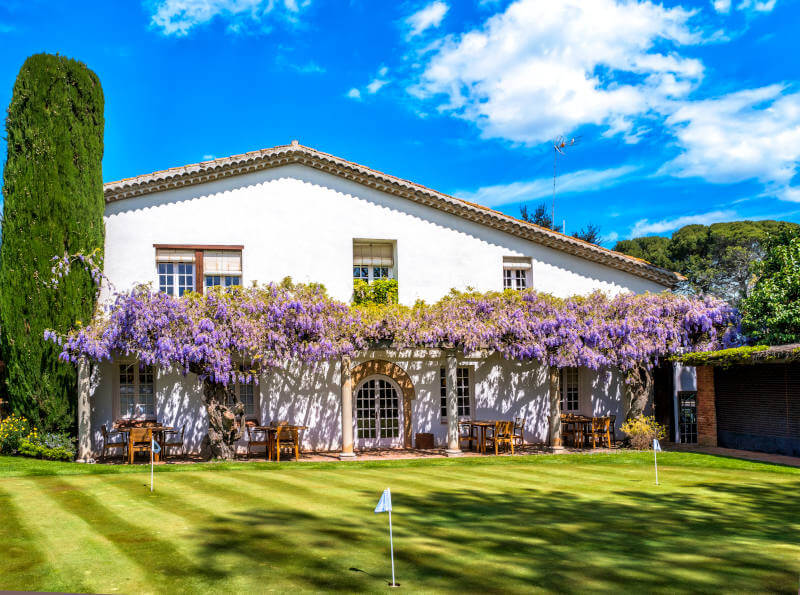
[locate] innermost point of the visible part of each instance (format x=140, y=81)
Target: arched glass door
x=378, y=414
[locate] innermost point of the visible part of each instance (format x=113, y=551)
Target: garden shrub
x=13, y=430
x=642, y=430
x=56, y=447
x=380, y=291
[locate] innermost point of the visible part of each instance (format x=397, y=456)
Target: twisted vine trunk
x=225, y=419
x=639, y=389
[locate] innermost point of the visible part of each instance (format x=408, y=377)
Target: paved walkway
x=762, y=457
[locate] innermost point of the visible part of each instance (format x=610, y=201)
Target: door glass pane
x=366, y=414
x=389, y=409
x=687, y=416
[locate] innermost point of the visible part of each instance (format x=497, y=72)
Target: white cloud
x=610, y=238
x=579, y=181
x=375, y=85
x=354, y=93
x=756, y=5
x=208, y=157
x=746, y=135
x=645, y=227
x=178, y=17
x=723, y=6
x=543, y=68
x=430, y=16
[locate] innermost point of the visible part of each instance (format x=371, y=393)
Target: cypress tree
x=53, y=192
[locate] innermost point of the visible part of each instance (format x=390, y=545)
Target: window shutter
x=369, y=254
x=172, y=255
x=222, y=262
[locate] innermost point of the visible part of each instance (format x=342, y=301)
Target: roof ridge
x=205, y=171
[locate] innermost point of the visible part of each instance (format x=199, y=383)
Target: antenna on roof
x=560, y=144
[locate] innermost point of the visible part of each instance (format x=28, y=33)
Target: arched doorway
x=378, y=414
x=402, y=385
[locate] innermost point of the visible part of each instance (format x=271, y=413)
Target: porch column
x=347, y=409
x=84, y=413
x=556, y=444
x=453, y=449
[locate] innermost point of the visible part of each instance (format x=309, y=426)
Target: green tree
x=539, y=217
x=716, y=259
x=654, y=249
x=771, y=313
x=53, y=191
x=590, y=233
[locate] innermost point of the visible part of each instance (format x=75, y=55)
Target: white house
x=294, y=211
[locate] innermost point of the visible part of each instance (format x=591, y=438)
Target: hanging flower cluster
x=233, y=335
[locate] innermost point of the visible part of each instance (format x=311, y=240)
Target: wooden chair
x=519, y=432
x=598, y=431
x=569, y=429
x=290, y=438
x=139, y=440
x=256, y=438
x=173, y=439
x=109, y=444
x=466, y=433
x=503, y=434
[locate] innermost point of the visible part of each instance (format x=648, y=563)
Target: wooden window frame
x=562, y=386
x=199, y=249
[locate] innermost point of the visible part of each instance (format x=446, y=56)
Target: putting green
x=575, y=522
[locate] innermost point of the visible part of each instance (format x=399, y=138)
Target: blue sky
x=684, y=112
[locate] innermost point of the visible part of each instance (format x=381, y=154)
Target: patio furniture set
x=492, y=434
x=580, y=431
x=130, y=438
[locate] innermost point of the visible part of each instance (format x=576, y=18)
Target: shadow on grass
x=718, y=537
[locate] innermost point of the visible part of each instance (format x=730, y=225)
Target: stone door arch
x=382, y=367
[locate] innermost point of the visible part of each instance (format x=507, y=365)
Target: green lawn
x=565, y=523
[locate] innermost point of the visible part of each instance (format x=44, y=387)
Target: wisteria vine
x=234, y=335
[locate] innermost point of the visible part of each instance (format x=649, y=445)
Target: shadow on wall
x=305, y=394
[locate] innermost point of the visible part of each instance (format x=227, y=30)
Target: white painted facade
x=301, y=222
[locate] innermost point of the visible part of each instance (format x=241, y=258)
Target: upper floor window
x=222, y=268
x=136, y=395
x=191, y=268
x=570, y=389
x=175, y=271
x=516, y=273
x=463, y=397
x=373, y=260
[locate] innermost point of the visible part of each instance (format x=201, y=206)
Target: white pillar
x=556, y=443
x=453, y=448
x=347, y=409
x=84, y=413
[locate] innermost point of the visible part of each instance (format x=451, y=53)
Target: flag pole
x=655, y=461
x=151, y=464
x=391, y=547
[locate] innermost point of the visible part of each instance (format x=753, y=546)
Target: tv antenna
x=560, y=144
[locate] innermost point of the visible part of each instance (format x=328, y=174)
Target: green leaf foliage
x=771, y=313
x=53, y=191
x=716, y=259
x=379, y=292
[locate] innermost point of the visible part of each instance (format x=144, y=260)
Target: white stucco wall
x=297, y=221
x=310, y=395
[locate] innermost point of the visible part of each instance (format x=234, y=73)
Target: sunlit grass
x=593, y=522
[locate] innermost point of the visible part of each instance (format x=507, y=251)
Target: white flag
x=385, y=504
x=156, y=447
x=656, y=445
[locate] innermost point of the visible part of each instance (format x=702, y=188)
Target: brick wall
x=706, y=407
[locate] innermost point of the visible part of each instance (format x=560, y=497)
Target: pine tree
x=53, y=192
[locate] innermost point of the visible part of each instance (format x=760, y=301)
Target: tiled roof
x=207, y=171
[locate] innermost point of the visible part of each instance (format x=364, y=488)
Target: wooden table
x=482, y=427
x=272, y=432
x=158, y=434
x=580, y=422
